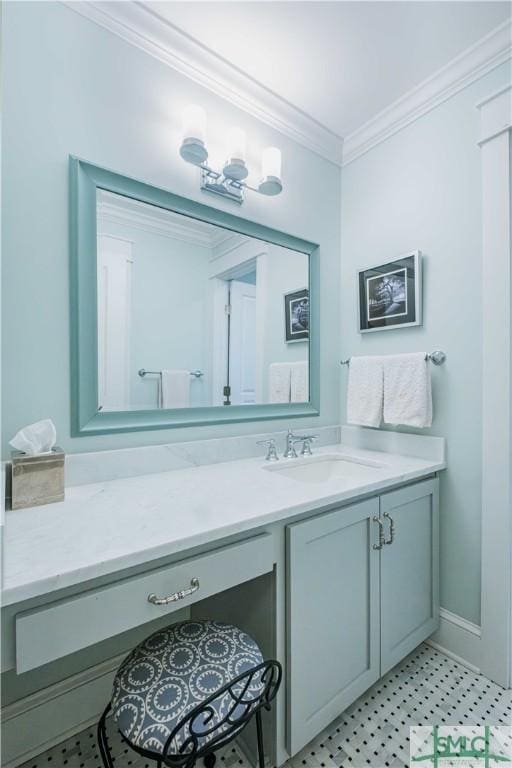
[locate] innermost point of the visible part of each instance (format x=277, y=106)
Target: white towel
x=365, y=391
x=299, y=389
x=174, y=389
x=279, y=382
x=407, y=390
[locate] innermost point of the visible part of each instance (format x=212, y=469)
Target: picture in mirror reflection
x=296, y=311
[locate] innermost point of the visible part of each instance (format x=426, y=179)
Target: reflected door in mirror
x=241, y=369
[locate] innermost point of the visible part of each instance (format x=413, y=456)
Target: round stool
x=188, y=690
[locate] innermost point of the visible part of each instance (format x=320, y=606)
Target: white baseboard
x=44, y=719
x=458, y=639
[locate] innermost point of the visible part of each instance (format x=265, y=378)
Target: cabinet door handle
x=180, y=595
x=391, y=529
x=381, y=532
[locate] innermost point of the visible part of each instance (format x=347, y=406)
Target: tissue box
x=37, y=479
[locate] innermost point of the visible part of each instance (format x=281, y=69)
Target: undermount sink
x=321, y=469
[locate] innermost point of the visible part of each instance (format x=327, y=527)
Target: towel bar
x=437, y=357
x=143, y=372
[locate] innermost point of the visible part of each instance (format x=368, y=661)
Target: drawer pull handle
x=391, y=529
x=194, y=586
x=381, y=532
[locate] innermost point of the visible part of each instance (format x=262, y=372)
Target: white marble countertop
x=103, y=528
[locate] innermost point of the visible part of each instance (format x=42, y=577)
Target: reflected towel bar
x=437, y=357
x=143, y=372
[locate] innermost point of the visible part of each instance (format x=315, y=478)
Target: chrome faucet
x=271, y=449
x=306, y=444
x=291, y=439
x=290, y=452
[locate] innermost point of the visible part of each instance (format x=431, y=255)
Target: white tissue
x=35, y=438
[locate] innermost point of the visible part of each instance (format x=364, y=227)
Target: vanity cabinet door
x=409, y=569
x=333, y=616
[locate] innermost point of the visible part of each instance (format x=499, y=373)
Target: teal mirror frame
x=86, y=419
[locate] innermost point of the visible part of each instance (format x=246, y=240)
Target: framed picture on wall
x=296, y=315
x=390, y=294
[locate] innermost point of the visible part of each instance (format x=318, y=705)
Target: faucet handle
x=271, y=449
x=306, y=444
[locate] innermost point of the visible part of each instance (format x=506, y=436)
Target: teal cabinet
x=363, y=591
x=333, y=616
x=409, y=570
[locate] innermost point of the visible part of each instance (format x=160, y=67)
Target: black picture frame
x=390, y=294
x=296, y=315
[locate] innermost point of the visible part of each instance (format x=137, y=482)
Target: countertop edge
x=114, y=567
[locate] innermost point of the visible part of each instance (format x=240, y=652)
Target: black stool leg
x=210, y=760
x=102, y=741
x=259, y=734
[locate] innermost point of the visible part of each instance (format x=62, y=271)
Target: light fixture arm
x=219, y=184
x=215, y=182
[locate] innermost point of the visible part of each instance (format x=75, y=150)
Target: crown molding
x=229, y=243
x=136, y=217
x=475, y=62
x=145, y=29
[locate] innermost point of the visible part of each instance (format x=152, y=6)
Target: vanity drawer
x=66, y=626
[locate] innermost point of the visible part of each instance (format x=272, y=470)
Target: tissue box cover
x=37, y=479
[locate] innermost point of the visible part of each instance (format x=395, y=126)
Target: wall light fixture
x=230, y=181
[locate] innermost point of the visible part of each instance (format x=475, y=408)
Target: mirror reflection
x=191, y=314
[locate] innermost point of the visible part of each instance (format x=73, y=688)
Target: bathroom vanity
x=329, y=561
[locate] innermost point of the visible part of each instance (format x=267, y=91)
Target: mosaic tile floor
x=427, y=688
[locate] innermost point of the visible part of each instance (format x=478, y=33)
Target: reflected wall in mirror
x=191, y=314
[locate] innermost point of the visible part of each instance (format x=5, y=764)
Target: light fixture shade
x=194, y=123
x=271, y=183
x=271, y=162
x=237, y=143
x=193, y=148
x=235, y=167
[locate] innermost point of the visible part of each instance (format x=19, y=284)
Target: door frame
x=123, y=249
x=496, y=587
x=222, y=269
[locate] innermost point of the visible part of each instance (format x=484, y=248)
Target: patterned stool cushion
x=175, y=670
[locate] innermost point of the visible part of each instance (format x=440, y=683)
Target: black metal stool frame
x=270, y=673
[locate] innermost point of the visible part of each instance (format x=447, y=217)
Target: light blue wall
x=170, y=315
x=422, y=189
x=71, y=87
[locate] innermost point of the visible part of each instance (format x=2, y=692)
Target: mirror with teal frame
x=183, y=314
